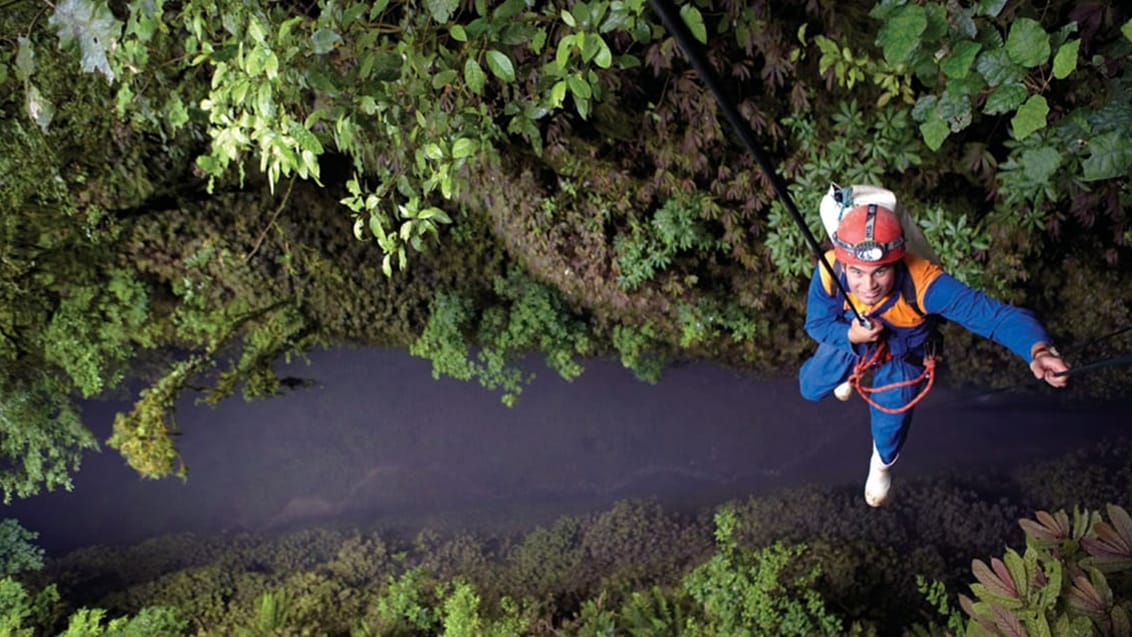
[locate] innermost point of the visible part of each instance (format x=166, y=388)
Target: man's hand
x=1048, y=365
x=861, y=334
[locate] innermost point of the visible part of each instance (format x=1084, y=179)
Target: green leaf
x=1110, y=156
x=558, y=93
x=934, y=132
x=263, y=102
x=377, y=9
x=958, y=64
x=444, y=78
x=1065, y=61
x=990, y=8
x=94, y=27
x=900, y=34
x=562, y=54
x=507, y=10
x=176, y=113
x=1126, y=29
x=604, y=57
x=500, y=65
x=387, y=66
x=579, y=87
x=39, y=108
x=25, y=60
x=458, y=33
x=591, y=44
x=463, y=147
x=1031, y=117
x=1006, y=98
x=435, y=214
x=568, y=18
x=998, y=69
x=695, y=22
x=442, y=10
x=1028, y=43
x=324, y=41
x=1039, y=164
x=955, y=109
x=474, y=76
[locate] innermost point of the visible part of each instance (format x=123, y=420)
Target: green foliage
x=850, y=67
x=760, y=591
x=640, y=351
x=527, y=316
x=270, y=618
x=22, y=615
x=957, y=242
x=935, y=592
x=708, y=320
x=42, y=438
x=676, y=227
x=652, y=613
x=977, y=59
x=149, y=622
x=91, y=25
x=20, y=612
x=1070, y=580
x=92, y=332
x=18, y=552
x=409, y=604
x=144, y=436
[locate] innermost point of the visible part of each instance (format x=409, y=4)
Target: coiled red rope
x=881, y=354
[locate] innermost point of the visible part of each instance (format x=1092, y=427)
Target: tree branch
x=263, y=233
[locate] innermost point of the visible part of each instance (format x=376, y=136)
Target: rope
x=880, y=354
x=676, y=27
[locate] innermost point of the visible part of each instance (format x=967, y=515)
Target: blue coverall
x=828, y=319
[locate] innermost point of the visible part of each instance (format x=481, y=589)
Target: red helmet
x=869, y=235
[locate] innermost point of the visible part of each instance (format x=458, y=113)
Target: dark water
x=377, y=439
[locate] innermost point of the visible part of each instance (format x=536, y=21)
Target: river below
x=377, y=438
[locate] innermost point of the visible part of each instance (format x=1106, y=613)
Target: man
x=895, y=291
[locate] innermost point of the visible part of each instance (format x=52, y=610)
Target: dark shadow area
x=375, y=440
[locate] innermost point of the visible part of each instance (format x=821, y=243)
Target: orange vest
x=918, y=274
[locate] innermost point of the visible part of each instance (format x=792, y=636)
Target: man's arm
x=825, y=321
x=1012, y=327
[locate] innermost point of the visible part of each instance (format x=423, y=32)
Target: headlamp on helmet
x=869, y=236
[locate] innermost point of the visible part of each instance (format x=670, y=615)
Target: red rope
x=879, y=355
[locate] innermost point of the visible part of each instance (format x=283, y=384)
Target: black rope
x=676, y=27
x=1115, y=361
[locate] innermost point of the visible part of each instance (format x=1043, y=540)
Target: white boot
x=879, y=481
x=844, y=391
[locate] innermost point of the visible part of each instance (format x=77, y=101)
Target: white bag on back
x=838, y=200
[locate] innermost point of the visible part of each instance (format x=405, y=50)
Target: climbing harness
x=881, y=354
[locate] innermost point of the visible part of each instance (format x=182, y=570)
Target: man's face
x=870, y=283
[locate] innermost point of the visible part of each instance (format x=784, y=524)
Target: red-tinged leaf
x=1058, y=522
x=970, y=607
x=1007, y=622
x=1084, y=597
x=991, y=581
x=1111, y=537
x=1039, y=531
x=1121, y=623
x=1121, y=521
x=1003, y=573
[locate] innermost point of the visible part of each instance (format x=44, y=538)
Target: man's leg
x=824, y=371
x=889, y=430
